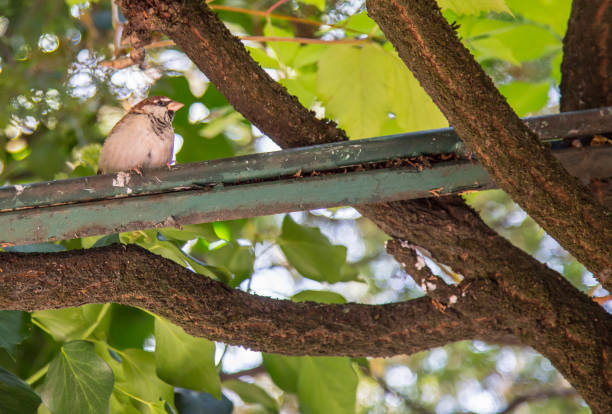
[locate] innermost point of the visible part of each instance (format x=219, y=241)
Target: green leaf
x=303, y=87
x=541, y=42
x=78, y=381
x=285, y=51
x=320, y=296
x=413, y=108
x=185, y=361
x=70, y=323
x=237, y=259
x=135, y=376
x=190, y=232
x=327, y=385
x=307, y=55
x=150, y=240
x=361, y=22
x=474, y=6
x=129, y=327
x=554, y=13
x=311, y=253
x=16, y=396
x=261, y=57
x=283, y=370
x=525, y=97
x=492, y=48
x=378, y=84
x=319, y=4
x=252, y=394
x=356, y=97
x=14, y=328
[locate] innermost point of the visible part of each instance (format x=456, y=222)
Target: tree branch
x=587, y=56
x=447, y=228
x=460, y=88
x=537, y=396
x=133, y=276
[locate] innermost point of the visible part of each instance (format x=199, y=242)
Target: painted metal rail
x=274, y=182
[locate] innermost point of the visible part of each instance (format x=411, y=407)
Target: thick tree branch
x=465, y=250
x=294, y=124
x=486, y=123
x=203, y=307
x=587, y=56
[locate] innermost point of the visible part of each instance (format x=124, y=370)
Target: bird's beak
x=175, y=106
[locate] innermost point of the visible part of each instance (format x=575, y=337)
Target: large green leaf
x=311, y=253
x=185, y=361
x=14, y=328
x=252, y=394
x=352, y=88
x=327, y=385
x=78, y=381
x=71, y=323
x=363, y=87
x=16, y=396
x=474, y=6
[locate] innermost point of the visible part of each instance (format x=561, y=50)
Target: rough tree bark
x=460, y=88
x=506, y=294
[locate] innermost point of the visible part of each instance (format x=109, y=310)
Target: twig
x=539, y=395
x=275, y=6
x=247, y=372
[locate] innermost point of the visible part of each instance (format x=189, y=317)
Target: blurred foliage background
x=62, y=87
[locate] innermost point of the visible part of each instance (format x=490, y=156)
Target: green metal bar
x=225, y=202
x=232, y=202
x=261, y=184
x=282, y=163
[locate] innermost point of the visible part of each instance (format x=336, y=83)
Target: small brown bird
x=143, y=138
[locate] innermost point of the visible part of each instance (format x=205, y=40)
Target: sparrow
x=143, y=138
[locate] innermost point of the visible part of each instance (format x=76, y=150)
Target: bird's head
x=161, y=107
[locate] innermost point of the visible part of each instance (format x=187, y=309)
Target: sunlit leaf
x=320, y=4
x=474, y=6
x=285, y=51
x=554, y=13
x=526, y=97
x=70, y=323
x=377, y=87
